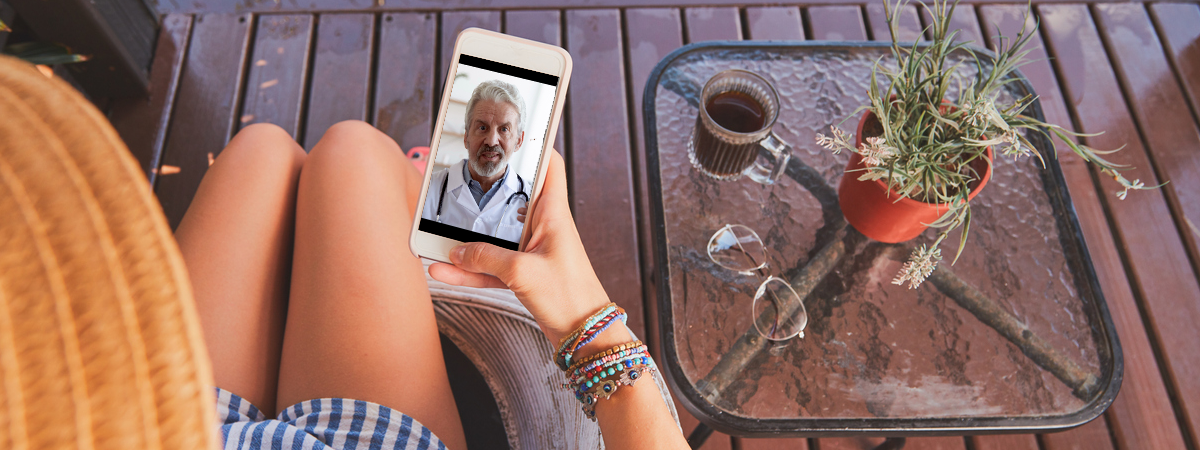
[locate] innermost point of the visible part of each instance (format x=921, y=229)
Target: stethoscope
x=507, y=203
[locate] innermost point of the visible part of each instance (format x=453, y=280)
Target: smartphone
x=497, y=120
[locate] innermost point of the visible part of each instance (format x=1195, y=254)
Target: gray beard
x=489, y=169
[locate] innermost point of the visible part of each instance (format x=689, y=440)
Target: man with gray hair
x=478, y=193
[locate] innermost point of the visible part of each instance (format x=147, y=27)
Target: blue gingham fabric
x=327, y=423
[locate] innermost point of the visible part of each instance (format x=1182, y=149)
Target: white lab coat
x=496, y=219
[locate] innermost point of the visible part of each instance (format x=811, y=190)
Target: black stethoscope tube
x=446, y=181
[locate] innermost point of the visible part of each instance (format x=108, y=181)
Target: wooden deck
x=1130, y=69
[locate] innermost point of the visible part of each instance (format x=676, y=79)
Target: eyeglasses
x=778, y=311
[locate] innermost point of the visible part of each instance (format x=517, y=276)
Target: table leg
x=892, y=443
x=699, y=435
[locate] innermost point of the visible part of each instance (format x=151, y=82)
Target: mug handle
x=776, y=152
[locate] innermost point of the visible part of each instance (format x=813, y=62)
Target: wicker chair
x=501, y=338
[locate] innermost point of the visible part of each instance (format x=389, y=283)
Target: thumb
x=480, y=257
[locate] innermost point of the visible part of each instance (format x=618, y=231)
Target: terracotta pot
x=883, y=214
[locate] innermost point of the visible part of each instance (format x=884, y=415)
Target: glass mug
x=733, y=134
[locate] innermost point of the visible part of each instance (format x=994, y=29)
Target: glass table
x=1015, y=336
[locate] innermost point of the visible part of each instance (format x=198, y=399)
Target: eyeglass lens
x=737, y=247
x=779, y=312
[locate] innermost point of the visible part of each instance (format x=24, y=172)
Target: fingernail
x=456, y=254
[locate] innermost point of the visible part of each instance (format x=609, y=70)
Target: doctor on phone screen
x=480, y=193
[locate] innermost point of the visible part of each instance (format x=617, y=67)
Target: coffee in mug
x=733, y=130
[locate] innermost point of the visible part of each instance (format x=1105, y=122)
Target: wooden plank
x=117, y=35
x=230, y=6
x=543, y=26
x=278, y=71
x=599, y=170
x=404, y=89
x=142, y=122
x=908, y=29
x=653, y=33
x=837, y=23
x=770, y=444
x=453, y=23
x=1093, y=435
x=1177, y=26
x=341, y=73
x=713, y=24
x=1003, y=442
x=963, y=20
x=1160, y=109
x=774, y=23
x=1154, y=252
x=688, y=423
x=1141, y=380
x=912, y=443
x=209, y=88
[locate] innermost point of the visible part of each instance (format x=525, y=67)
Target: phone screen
x=495, y=127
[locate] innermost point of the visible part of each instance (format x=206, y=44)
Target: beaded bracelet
x=599, y=363
x=587, y=323
x=591, y=331
x=608, y=386
x=589, y=359
x=587, y=379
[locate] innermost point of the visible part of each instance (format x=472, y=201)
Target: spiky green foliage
x=933, y=147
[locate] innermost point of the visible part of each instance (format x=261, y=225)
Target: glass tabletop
x=1013, y=336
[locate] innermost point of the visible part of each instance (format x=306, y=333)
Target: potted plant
x=920, y=157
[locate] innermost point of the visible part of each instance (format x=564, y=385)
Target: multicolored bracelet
x=587, y=323
x=600, y=375
x=591, y=329
x=608, y=386
x=589, y=359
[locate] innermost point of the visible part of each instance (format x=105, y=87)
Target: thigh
x=236, y=240
x=360, y=321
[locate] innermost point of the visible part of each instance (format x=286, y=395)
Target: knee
x=356, y=145
x=263, y=147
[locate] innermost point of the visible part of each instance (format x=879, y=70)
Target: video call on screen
x=436, y=227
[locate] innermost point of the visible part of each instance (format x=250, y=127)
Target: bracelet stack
x=598, y=376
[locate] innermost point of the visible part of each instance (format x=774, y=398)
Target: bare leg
x=360, y=321
x=236, y=240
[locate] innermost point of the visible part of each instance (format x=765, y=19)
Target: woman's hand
x=553, y=277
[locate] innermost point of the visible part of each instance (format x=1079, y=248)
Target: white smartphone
x=497, y=120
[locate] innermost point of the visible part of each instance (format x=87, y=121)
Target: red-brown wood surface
x=543, y=26
x=1003, y=442
x=713, y=24
x=653, y=33
x=453, y=23
x=1160, y=108
x=230, y=6
x=278, y=72
x=600, y=176
x=1164, y=279
x=769, y=444
x=837, y=23
x=908, y=28
x=1093, y=435
x=207, y=101
x=142, y=122
x=1177, y=24
x=404, y=89
x=1141, y=375
x=341, y=73
x=1123, y=60
x=912, y=443
x=774, y=23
